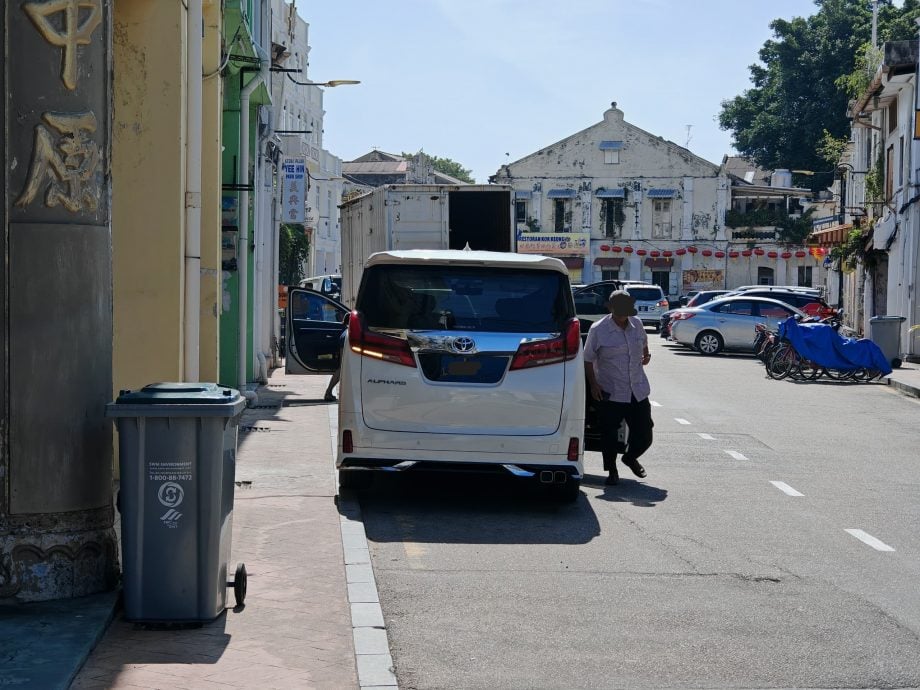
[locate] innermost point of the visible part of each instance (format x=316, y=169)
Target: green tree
x=293, y=250
x=448, y=167
x=799, y=94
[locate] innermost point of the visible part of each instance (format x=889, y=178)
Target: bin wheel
x=239, y=584
x=896, y=363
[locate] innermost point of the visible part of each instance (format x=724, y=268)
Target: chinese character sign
x=293, y=189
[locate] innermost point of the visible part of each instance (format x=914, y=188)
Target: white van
x=325, y=285
x=459, y=360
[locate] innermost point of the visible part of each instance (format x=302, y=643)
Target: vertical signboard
x=294, y=188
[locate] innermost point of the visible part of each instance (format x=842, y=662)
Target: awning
x=658, y=263
x=519, y=194
x=615, y=193
x=661, y=193
x=611, y=145
x=561, y=194
x=573, y=261
x=608, y=261
x=834, y=235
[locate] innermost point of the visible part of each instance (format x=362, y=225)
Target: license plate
x=643, y=308
x=464, y=368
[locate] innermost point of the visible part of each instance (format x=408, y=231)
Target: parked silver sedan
x=728, y=323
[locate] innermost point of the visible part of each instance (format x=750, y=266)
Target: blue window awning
x=561, y=194
x=662, y=193
x=518, y=194
x=611, y=145
x=614, y=193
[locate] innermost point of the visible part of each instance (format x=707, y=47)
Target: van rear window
x=644, y=294
x=468, y=298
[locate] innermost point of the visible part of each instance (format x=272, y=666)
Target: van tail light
x=663, y=303
x=348, y=444
x=542, y=352
x=376, y=345
x=573, y=449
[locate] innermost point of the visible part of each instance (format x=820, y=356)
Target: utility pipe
x=194, y=68
x=242, y=258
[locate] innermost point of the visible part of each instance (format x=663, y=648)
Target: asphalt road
x=774, y=544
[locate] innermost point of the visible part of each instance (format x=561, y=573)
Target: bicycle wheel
x=808, y=370
x=781, y=363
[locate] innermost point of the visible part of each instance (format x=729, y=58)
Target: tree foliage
x=806, y=75
x=293, y=250
x=448, y=167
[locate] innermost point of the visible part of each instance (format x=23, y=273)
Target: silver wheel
x=709, y=343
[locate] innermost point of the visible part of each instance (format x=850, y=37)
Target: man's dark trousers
x=638, y=416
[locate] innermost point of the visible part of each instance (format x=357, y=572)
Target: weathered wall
x=56, y=537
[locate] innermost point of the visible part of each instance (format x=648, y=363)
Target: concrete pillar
x=56, y=537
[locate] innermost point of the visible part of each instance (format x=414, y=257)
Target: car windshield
x=465, y=298
x=645, y=294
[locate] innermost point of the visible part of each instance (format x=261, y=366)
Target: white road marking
x=681, y=421
x=654, y=404
x=876, y=544
x=707, y=437
x=736, y=455
x=786, y=489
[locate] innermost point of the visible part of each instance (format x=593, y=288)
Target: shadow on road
x=628, y=491
x=472, y=509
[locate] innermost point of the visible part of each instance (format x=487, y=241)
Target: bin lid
x=899, y=319
x=179, y=400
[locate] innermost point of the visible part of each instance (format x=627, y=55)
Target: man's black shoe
x=612, y=479
x=636, y=468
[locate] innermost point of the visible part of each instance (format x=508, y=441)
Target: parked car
x=700, y=297
x=810, y=303
x=651, y=302
x=326, y=285
x=460, y=361
x=727, y=323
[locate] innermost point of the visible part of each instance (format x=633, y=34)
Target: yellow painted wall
x=211, y=284
x=148, y=191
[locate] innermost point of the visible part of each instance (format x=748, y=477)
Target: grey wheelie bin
x=885, y=331
x=177, y=455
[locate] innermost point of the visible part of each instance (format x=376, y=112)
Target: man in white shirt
x=616, y=352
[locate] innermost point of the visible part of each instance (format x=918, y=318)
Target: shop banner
x=553, y=244
x=702, y=279
x=294, y=189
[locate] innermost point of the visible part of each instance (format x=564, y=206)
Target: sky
x=485, y=82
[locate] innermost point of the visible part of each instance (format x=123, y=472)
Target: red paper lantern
x=786, y=255
x=605, y=247
x=616, y=249
x=759, y=251
x=746, y=252
x=692, y=250
x=707, y=252
x=734, y=255
x=654, y=253
x=800, y=254
x=772, y=255
x=681, y=251
x=667, y=253
x=628, y=249
x=720, y=255
x=641, y=252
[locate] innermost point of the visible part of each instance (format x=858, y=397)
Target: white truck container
x=423, y=216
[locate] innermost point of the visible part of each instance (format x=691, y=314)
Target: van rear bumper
x=528, y=470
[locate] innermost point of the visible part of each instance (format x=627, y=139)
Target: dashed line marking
x=786, y=489
x=654, y=404
x=681, y=421
x=736, y=455
x=866, y=538
x=707, y=437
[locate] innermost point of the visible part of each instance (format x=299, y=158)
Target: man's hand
x=596, y=392
x=646, y=357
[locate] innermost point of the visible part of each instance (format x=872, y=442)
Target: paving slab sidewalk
x=295, y=630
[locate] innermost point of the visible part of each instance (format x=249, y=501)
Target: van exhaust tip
x=546, y=477
x=560, y=477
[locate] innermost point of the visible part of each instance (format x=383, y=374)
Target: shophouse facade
x=615, y=201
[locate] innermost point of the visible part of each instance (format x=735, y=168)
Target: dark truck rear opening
x=481, y=219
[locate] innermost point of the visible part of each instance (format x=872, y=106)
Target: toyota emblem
x=464, y=344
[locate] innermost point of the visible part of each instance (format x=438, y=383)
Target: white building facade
x=298, y=112
x=614, y=201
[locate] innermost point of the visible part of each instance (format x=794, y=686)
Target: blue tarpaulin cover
x=822, y=345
